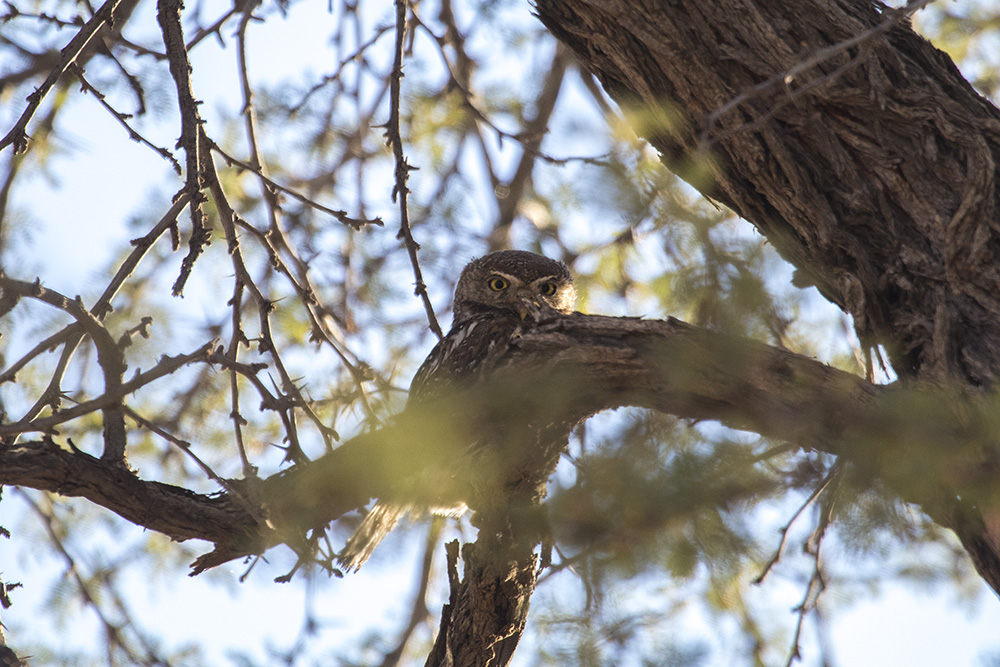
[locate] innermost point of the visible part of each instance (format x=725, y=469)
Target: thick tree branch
x=582, y=364
x=178, y=513
x=872, y=168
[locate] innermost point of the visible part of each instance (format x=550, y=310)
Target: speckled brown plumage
x=485, y=317
x=497, y=298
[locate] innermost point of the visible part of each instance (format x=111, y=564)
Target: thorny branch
x=17, y=136
x=110, y=401
x=122, y=119
x=403, y=168
x=342, y=216
x=72, y=335
x=265, y=307
x=168, y=15
x=109, y=356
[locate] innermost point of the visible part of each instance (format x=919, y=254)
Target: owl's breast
x=469, y=350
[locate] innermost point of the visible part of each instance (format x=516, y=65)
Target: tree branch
x=109, y=356
x=168, y=15
x=873, y=169
x=17, y=136
x=582, y=364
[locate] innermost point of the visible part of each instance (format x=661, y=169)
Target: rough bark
x=577, y=365
x=849, y=141
x=590, y=363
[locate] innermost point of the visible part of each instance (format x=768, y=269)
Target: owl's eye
x=498, y=284
x=548, y=289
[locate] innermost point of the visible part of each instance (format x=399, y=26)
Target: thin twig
x=183, y=445
x=399, y=190
x=237, y=492
x=17, y=136
x=329, y=78
x=215, y=28
x=342, y=216
x=814, y=546
x=168, y=15
x=122, y=119
x=779, y=552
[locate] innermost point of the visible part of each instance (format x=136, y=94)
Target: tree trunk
x=852, y=144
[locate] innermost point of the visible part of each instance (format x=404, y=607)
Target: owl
x=497, y=298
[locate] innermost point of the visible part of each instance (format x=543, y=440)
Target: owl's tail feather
x=382, y=518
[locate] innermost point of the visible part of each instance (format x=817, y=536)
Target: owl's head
x=514, y=280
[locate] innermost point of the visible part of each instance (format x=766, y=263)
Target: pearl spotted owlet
x=497, y=298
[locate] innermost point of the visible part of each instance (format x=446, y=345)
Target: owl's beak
x=526, y=305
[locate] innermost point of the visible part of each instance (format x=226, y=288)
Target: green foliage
x=688, y=514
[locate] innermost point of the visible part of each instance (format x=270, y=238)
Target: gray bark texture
x=853, y=145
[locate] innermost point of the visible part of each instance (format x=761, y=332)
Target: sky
x=896, y=625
